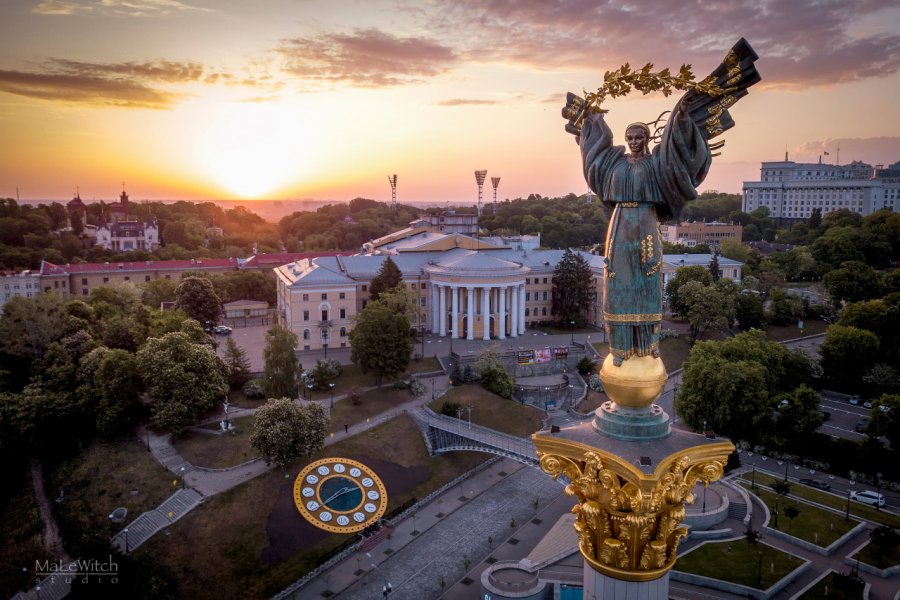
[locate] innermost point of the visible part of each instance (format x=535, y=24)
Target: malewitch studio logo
x=87, y=571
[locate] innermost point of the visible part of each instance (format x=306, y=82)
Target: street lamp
x=126, y=540
x=753, y=479
x=309, y=386
x=331, y=391
x=704, y=499
x=847, y=514
x=325, y=340
x=182, y=477
x=572, y=326
x=776, y=512
x=432, y=388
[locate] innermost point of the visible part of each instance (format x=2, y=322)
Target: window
x=84, y=281
x=365, y=288
x=343, y=313
x=106, y=280
x=364, y=302
x=306, y=297
x=544, y=311
x=527, y=281
x=422, y=286
x=544, y=297
x=168, y=277
x=84, y=292
x=146, y=278
x=127, y=278
x=422, y=300
x=306, y=315
x=342, y=296
x=526, y=312
x=324, y=314
x=343, y=332
x=545, y=281
x=306, y=334
x=527, y=296
x=324, y=296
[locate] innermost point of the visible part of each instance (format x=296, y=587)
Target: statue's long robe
x=640, y=193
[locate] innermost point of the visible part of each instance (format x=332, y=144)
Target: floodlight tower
x=392, y=179
x=495, y=181
x=479, y=179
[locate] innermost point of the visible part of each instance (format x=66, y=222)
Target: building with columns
x=462, y=293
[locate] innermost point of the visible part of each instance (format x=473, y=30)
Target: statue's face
x=636, y=138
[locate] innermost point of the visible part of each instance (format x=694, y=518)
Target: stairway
x=145, y=526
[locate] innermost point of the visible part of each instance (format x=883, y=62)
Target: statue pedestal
x=624, y=423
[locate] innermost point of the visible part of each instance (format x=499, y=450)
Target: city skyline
x=203, y=99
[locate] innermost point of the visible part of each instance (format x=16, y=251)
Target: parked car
x=223, y=329
x=867, y=404
x=863, y=425
x=868, y=497
x=854, y=399
x=825, y=415
x=819, y=485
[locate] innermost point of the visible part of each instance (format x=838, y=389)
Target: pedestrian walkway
x=147, y=524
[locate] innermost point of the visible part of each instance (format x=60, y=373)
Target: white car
x=222, y=329
x=868, y=497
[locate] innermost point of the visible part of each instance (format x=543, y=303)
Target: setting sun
x=252, y=149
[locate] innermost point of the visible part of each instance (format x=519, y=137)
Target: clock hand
x=340, y=492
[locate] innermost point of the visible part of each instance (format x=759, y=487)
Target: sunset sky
x=218, y=99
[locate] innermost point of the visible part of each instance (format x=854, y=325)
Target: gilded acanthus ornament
x=628, y=524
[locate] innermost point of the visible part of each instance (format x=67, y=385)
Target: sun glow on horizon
x=254, y=149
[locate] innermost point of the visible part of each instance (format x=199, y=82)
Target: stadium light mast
x=392, y=179
x=479, y=179
x=495, y=181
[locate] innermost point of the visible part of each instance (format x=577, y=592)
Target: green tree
x=815, y=218
x=282, y=371
x=847, y=353
x=237, y=364
x=197, y=297
x=387, y=278
x=157, y=291
x=325, y=372
x=182, y=379
x=381, y=341
x=573, y=290
x=708, y=306
x=798, y=415
x=886, y=419
x=791, y=512
x=853, y=282
x=29, y=325
x=748, y=310
x=682, y=276
x=714, y=266
x=284, y=432
x=119, y=387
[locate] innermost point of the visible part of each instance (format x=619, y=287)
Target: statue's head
x=637, y=136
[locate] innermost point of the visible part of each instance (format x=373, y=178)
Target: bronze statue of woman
x=643, y=187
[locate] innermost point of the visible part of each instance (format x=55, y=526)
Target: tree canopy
x=284, y=431
x=381, y=341
x=573, y=290
x=388, y=278
x=282, y=371
x=197, y=297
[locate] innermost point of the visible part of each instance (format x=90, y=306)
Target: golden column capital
x=628, y=520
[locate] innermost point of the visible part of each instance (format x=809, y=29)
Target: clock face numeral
x=359, y=517
x=312, y=506
x=325, y=516
x=339, y=468
x=323, y=470
x=312, y=479
x=354, y=472
x=373, y=495
x=343, y=520
x=369, y=507
x=308, y=492
x=367, y=482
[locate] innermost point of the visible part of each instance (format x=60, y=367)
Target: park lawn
x=779, y=333
x=737, y=561
x=552, y=330
x=103, y=477
x=374, y=402
x=218, y=451
x=871, y=556
x=20, y=521
x=490, y=410
x=674, y=351
x=352, y=377
x=215, y=551
x=857, y=509
x=238, y=399
x=827, y=588
x=811, y=521
x=592, y=401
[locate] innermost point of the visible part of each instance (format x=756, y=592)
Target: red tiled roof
x=148, y=265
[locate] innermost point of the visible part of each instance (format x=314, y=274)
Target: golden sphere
x=636, y=383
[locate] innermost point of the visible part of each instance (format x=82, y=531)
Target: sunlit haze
x=279, y=99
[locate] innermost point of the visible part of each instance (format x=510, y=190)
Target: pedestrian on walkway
x=346, y=428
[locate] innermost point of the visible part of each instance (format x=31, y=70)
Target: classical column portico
x=485, y=313
x=470, y=313
x=521, y=291
x=513, y=312
x=443, y=310
x=454, y=316
x=434, y=308
x=501, y=331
